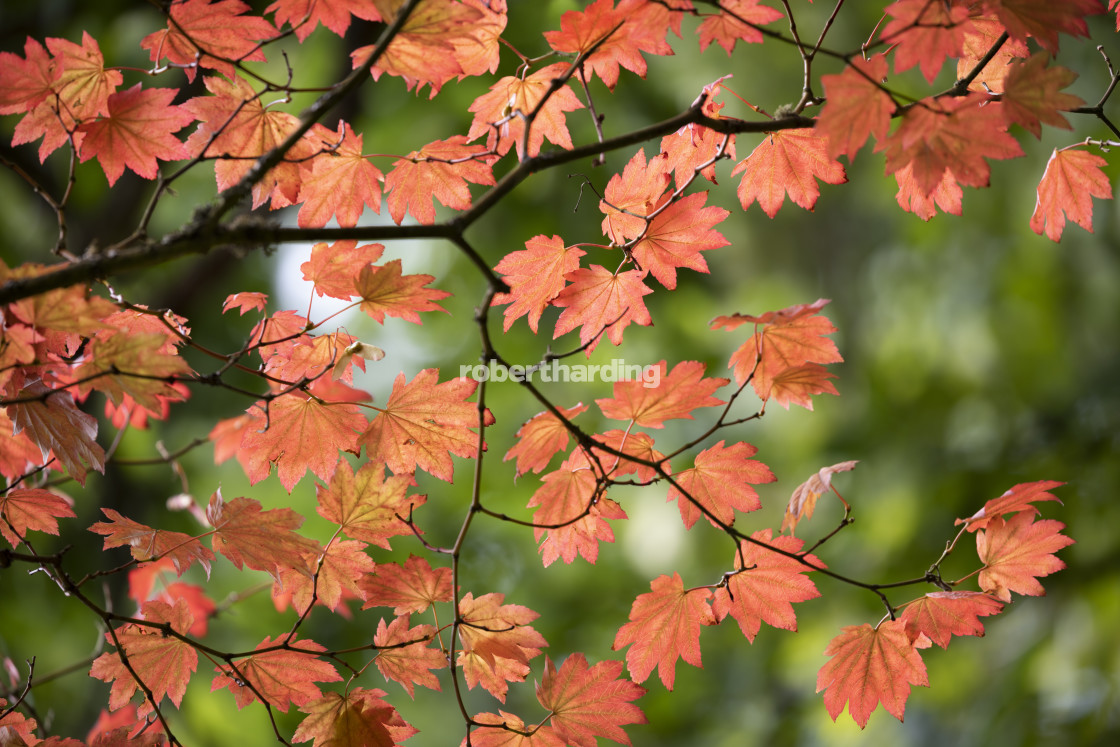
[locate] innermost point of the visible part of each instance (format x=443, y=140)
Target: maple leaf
x=358, y=717
x=83, y=85
x=385, y=292
x=956, y=135
x=501, y=115
x=1071, y=180
x=146, y=543
x=980, y=36
x=940, y=615
x=573, y=514
x=765, y=584
x=638, y=445
x=423, y=423
x=438, y=171
x=366, y=505
x=408, y=664
x=855, y=106
x=1032, y=94
x=15, y=728
x=27, y=81
x=261, y=540
x=1043, y=20
x=339, y=182
x=870, y=666
x=201, y=33
x=676, y=236
x=694, y=146
x=540, y=438
x=336, y=574
x=201, y=607
x=601, y=304
x=410, y=587
x=497, y=642
x=804, y=499
x=589, y=702
x=719, y=484
x=248, y=301
x=787, y=162
x=164, y=663
x=664, y=625
x=304, y=16
x=1016, y=499
x=677, y=395
x=56, y=425
x=333, y=267
x=137, y=364
x=283, y=676
x=636, y=191
x=1018, y=550
x=737, y=21
x=924, y=34
x=24, y=509
x=910, y=197
x=136, y=132
x=509, y=730
x=535, y=276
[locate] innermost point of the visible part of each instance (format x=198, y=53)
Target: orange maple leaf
x=925, y=34
x=589, y=702
x=201, y=33
x=405, y=662
x=535, y=276
x=423, y=423
x=146, y=543
x=261, y=540
x=636, y=191
x=869, y=666
x=736, y=21
x=855, y=107
x=411, y=586
x=57, y=425
x=1071, y=180
x=284, y=675
x=677, y=395
x=501, y=114
x=664, y=626
x=1018, y=550
x=676, y=236
x=572, y=513
x=540, y=438
x=910, y=197
x=1032, y=94
x=27, y=81
x=360, y=715
x=333, y=267
x=497, y=642
x=386, y=292
x=765, y=585
x=366, y=505
x=787, y=162
x=694, y=146
x=980, y=35
x=601, y=304
x=338, y=182
x=438, y=171
x=138, y=364
x=509, y=730
x=304, y=16
x=336, y=573
x=1021, y=497
x=719, y=484
x=940, y=615
x=25, y=509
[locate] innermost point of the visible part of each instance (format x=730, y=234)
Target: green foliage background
x=977, y=355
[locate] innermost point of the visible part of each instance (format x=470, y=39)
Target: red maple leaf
x=980, y=36
x=957, y=134
x=787, y=162
x=423, y=423
x=1018, y=550
x=304, y=16
x=136, y=132
x=910, y=197
x=359, y=716
x=501, y=114
x=128, y=362
x=497, y=642
x=736, y=21
x=589, y=702
x=676, y=395
x=694, y=146
x=855, y=106
x=57, y=425
x=924, y=34
x=1032, y=94
x=804, y=499
x=25, y=509
x=509, y=730
x=719, y=484
x=201, y=33
x=676, y=236
x=940, y=615
x=869, y=666
x=405, y=662
x=27, y=81
x=1018, y=498
x=540, y=438
x=386, y=292
x=622, y=28
x=409, y=587
x=366, y=505
x=765, y=584
x=438, y=171
x=1071, y=180
x=164, y=663
x=339, y=182
x=601, y=304
x=664, y=626
x=333, y=267
x=535, y=276
x=1043, y=20
x=283, y=675
x=146, y=543
x=335, y=577
x=261, y=540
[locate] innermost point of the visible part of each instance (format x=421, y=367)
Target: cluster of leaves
x=61, y=342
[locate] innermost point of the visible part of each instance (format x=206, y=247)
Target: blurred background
x=977, y=356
